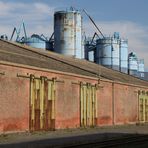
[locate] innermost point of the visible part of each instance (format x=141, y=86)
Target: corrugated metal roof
x=16, y=53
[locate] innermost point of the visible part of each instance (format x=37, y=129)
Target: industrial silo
x=103, y=53
x=115, y=53
x=132, y=64
x=89, y=50
x=141, y=68
x=124, y=56
x=68, y=33
x=37, y=41
x=107, y=52
x=91, y=56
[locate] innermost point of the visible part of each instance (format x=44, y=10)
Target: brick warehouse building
x=42, y=90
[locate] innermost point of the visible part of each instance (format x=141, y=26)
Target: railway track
x=130, y=141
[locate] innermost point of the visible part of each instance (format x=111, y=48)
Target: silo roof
x=22, y=54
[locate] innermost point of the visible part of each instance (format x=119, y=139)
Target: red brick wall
x=104, y=95
x=67, y=105
x=14, y=101
x=126, y=102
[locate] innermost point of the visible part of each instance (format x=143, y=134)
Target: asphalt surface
x=63, y=138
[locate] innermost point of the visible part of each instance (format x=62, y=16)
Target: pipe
x=93, y=23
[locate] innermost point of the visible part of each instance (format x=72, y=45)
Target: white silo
x=107, y=52
x=124, y=56
x=141, y=68
x=68, y=33
x=133, y=64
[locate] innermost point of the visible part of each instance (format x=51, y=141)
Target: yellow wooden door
x=146, y=109
x=143, y=107
x=88, y=105
x=42, y=103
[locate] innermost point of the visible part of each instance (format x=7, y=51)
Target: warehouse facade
x=42, y=90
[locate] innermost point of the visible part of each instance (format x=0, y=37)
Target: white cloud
x=38, y=17
x=4, y=9
x=43, y=8
x=8, y=8
x=30, y=12
x=136, y=34
x=11, y=7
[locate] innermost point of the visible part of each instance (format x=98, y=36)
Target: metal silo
x=141, y=68
x=68, y=33
x=91, y=56
x=115, y=53
x=124, y=56
x=37, y=41
x=132, y=64
x=89, y=50
x=103, y=53
x=86, y=49
x=107, y=52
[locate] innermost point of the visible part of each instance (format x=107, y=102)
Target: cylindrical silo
x=103, y=53
x=68, y=33
x=124, y=56
x=91, y=56
x=141, y=68
x=37, y=41
x=107, y=52
x=133, y=64
x=115, y=54
x=86, y=49
x=89, y=51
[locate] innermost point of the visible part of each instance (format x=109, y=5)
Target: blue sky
x=129, y=17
